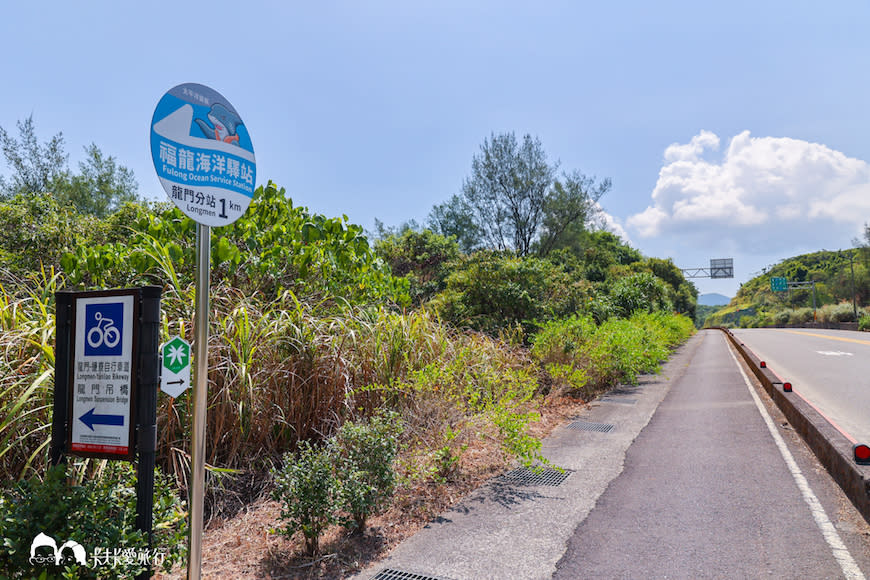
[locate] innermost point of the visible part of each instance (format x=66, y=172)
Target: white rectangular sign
x=101, y=402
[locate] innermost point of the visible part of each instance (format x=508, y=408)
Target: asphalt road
x=829, y=368
x=700, y=477
x=706, y=493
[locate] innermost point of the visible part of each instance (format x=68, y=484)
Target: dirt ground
x=247, y=546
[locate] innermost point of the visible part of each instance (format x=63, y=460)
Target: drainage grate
x=618, y=400
x=390, y=574
x=526, y=476
x=586, y=426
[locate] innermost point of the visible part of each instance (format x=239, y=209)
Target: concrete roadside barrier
x=833, y=449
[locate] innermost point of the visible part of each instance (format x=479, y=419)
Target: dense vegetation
x=839, y=276
x=319, y=334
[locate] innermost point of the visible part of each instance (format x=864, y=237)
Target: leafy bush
x=309, y=491
x=35, y=231
x=353, y=471
x=99, y=514
x=273, y=247
x=781, y=317
x=618, y=350
x=800, y=316
x=842, y=312
x=748, y=322
x=489, y=291
x=864, y=322
x=421, y=257
x=364, y=452
x=643, y=292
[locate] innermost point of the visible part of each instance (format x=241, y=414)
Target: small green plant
x=364, y=452
x=575, y=378
x=864, y=322
x=309, y=491
x=447, y=456
x=99, y=514
x=513, y=427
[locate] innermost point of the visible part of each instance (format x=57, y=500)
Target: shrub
x=489, y=291
x=364, y=455
x=842, y=312
x=800, y=316
x=781, y=317
x=421, y=257
x=99, y=514
x=864, y=322
x=748, y=322
x=641, y=292
x=616, y=351
x=309, y=491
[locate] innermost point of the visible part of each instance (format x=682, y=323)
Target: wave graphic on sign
x=176, y=126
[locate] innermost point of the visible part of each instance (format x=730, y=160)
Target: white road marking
x=834, y=353
x=838, y=548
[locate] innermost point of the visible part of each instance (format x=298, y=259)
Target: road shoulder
x=504, y=530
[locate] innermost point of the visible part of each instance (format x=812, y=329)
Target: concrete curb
x=832, y=448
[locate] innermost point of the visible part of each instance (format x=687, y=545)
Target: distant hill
x=836, y=279
x=713, y=299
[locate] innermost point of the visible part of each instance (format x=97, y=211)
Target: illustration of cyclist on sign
x=104, y=323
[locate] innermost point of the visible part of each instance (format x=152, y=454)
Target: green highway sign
x=175, y=371
x=778, y=284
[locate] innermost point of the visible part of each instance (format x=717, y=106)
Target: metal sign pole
x=200, y=400
x=204, y=158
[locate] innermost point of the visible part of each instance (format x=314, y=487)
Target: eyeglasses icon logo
x=43, y=540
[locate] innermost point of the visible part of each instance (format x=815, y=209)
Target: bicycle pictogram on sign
x=103, y=327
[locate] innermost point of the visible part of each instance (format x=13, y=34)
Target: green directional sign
x=175, y=374
x=778, y=284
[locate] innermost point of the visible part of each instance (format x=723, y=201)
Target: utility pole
x=852, y=267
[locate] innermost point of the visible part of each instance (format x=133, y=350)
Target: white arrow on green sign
x=175, y=374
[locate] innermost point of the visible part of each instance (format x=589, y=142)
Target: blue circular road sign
x=203, y=154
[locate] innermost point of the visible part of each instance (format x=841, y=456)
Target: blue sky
x=735, y=129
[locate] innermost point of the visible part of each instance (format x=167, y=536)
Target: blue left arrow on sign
x=90, y=419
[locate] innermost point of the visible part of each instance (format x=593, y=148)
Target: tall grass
x=27, y=323
x=286, y=370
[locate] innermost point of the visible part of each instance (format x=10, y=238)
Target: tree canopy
x=100, y=187
x=514, y=199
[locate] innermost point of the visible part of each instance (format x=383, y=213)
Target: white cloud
x=700, y=142
x=607, y=222
x=765, y=193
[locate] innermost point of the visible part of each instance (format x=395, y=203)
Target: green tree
x=100, y=187
x=507, y=191
x=682, y=293
x=420, y=256
x=36, y=231
x=490, y=291
x=512, y=200
x=455, y=218
x=36, y=168
x=571, y=204
x=643, y=292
